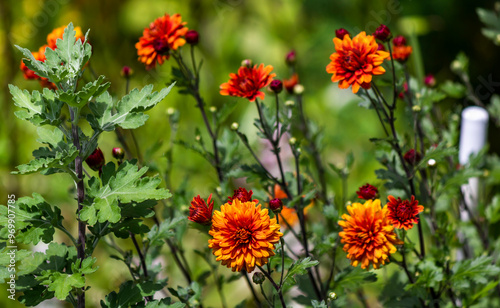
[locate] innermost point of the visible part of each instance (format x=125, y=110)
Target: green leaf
x=129, y=110
x=131, y=293
x=478, y=270
x=453, y=89
x=32, y=104
x=299, y=267
x=353, y=277
x=62, y=283
x=157, y=235
x=59, y=155
x=128, y=184
x=437, y=153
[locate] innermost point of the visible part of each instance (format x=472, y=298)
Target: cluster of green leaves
x=116, y=202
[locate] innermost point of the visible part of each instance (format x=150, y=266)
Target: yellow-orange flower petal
x=356, y=61
x=164, y=34
x=368, y=235
x=57, y=33
x=243, y=235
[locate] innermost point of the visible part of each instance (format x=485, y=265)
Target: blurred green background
x=230, y=30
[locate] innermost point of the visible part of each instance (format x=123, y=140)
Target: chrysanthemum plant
x=115, y=201
x=289, y=231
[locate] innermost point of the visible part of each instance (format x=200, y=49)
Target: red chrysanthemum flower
x=356, y=61
x=368, y=235
x=201, y=211
x=248, y=82
x=403, y=213
x=367, y=192
x=164, y=34
x=243, y=235
x=241, y=194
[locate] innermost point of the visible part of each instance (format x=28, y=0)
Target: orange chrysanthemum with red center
x=356, y=61
x=40, y=55
x=403, y=213
x=368, y=235
x=243, y=235
x=248, y=82
x=164, y=34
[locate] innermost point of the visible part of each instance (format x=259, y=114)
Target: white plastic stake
x=472, y=139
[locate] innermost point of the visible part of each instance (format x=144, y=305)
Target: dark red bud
x=192, y=37
x=276, y=205
x=430, y=80
x=290, y=57
x=96, y=160
x=276, y=86
x=118, y=153
x=382, y=33
x=340, y=33
x=399, y=41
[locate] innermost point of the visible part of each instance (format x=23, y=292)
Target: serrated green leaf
x=62, y=283
x=478, y=270
x=437, y=153
x=130, y=294
x=127, y=185
x=299, y=267
x=23, y=99
x=157, y=235
x=129, y=110
x=354, y=277
x=453, y=89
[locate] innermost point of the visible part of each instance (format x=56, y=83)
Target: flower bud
x=258, y=278
x=247, y=63
x=340, y=33
x=276, y=86
x=431, y=163
x=292, y=140
x=289, y=103
x=276, y=205
x=399, y=41
x=118, y=153
x=235, y=126
x=192, y=37
x=382, y=33
x=201, y=211
x=412, y=157
x=381, y=47
x=170, y=111
x=127, y=72
x=416, y=108
x=212, y=109
x=430, y=81
x=290, y=57
x=367, y=192
x=96, y=160
x=298, y=89
x=332, y=296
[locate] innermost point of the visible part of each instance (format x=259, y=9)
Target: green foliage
x=478, y=271
x=492, y=23
x=124, y=185
x=298, y=267
x=132, y=293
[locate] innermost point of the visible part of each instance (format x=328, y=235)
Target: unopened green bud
x=235, y=126
x=298, y=89
x=258, y=278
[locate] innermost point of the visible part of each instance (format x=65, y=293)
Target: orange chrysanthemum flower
x=164, y=34
x=201, y=211
x=401, y=53
x=248, y=82
x=243, y=235
x=368, y=235
x=356, y=61
x=403, y=213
